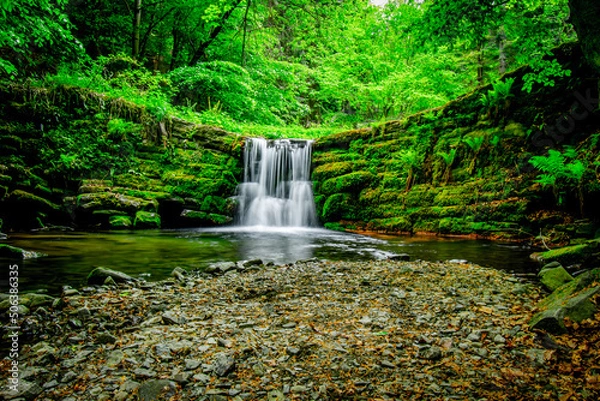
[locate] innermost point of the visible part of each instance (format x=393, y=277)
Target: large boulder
x=571, y=300
x=146, y=220
x=554, y=276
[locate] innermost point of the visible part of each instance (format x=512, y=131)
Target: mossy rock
x=554, y=277
x=350, y=183
x=394, y=224
x=331, y=170
x=571, y=300
x=111, y=201
x=201, y=219
x=13, y=252
x=146, y=220
x=582, y=253
x=8, y=251
x=116, y=222
x=25, y=198
x=339, y=206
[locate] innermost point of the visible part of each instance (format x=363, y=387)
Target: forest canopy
x=281, y=62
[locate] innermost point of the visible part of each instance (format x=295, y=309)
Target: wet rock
x=249, y=263
x=155, y=390
x=100, y=274
x=179, y=274
x=400, y=257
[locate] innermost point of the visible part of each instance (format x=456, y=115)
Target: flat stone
x=155, y=390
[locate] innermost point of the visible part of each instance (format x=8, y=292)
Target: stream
x=152, y=255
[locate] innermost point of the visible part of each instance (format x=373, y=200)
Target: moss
x=200, y=218
x=23, y=197
x=350, y=183
x=8, y=251
x=146, y=220
x=334, y=227
x=554, y=278
x=116, y=222
x=394, y=224
x=339, y=206
x=331, y=170
x=570, y=254
x=112, y=201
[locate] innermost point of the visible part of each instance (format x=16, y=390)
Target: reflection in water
x=154, y=254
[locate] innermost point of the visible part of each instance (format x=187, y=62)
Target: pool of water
x=69, y=257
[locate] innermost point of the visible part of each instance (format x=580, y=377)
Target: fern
x=474, y=143
x=559, y=173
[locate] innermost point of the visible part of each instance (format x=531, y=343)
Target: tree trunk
x=200, y=51
x=243, y=58
x=137, y=22
x=585, y=16
x=501, y=38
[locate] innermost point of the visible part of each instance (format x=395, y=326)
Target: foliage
x=560, y=171
x=35, y=37
x=448, y=159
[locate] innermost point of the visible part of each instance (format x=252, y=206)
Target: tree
x=35, y=37
x=585, y=15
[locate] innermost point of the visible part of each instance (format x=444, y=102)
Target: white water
x=277, y=191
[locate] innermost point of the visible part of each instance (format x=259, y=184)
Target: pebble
x=310, y=330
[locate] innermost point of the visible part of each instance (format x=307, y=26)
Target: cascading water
x=277, y=190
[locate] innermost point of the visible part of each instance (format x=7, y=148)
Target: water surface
x=154, y=254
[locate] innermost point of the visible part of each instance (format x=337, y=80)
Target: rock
x=119, y=222
x=144, y=373
x=253, y=262
x=146, y=220
x=430, y=353
x=292, y=351
x=223, y=364
x=12, y=252
x=498, y=339
x=68, y=377
x=155, y=390
x=172, y=318
x=554, y=277
x=405, y=257
x=580, y=307
x=106, y=338
x=192, y=364
x=551, y=320
x=221, y=267
x=179, y=274
x=25, y=390
x=100, y=274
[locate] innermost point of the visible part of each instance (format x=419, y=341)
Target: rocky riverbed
x=313, y=330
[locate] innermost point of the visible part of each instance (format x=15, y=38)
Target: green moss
x=24, y=197
x=200, y=218
x=394, y=224
x=146, y=220
x=554, y=278
x=334, y=227
x=350, y=183
x=331, y=170
x=570, y=254
x=116, y=222
x=112, y=201
x=339, y=206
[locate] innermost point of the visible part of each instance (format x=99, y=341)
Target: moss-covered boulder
x=554, y=277
x=571, y=300
x=12, y=252
x=146, y=220
x=117, y=222
x=581, y=253
x=200, y=219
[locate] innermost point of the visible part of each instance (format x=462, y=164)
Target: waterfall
x=277, y=190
